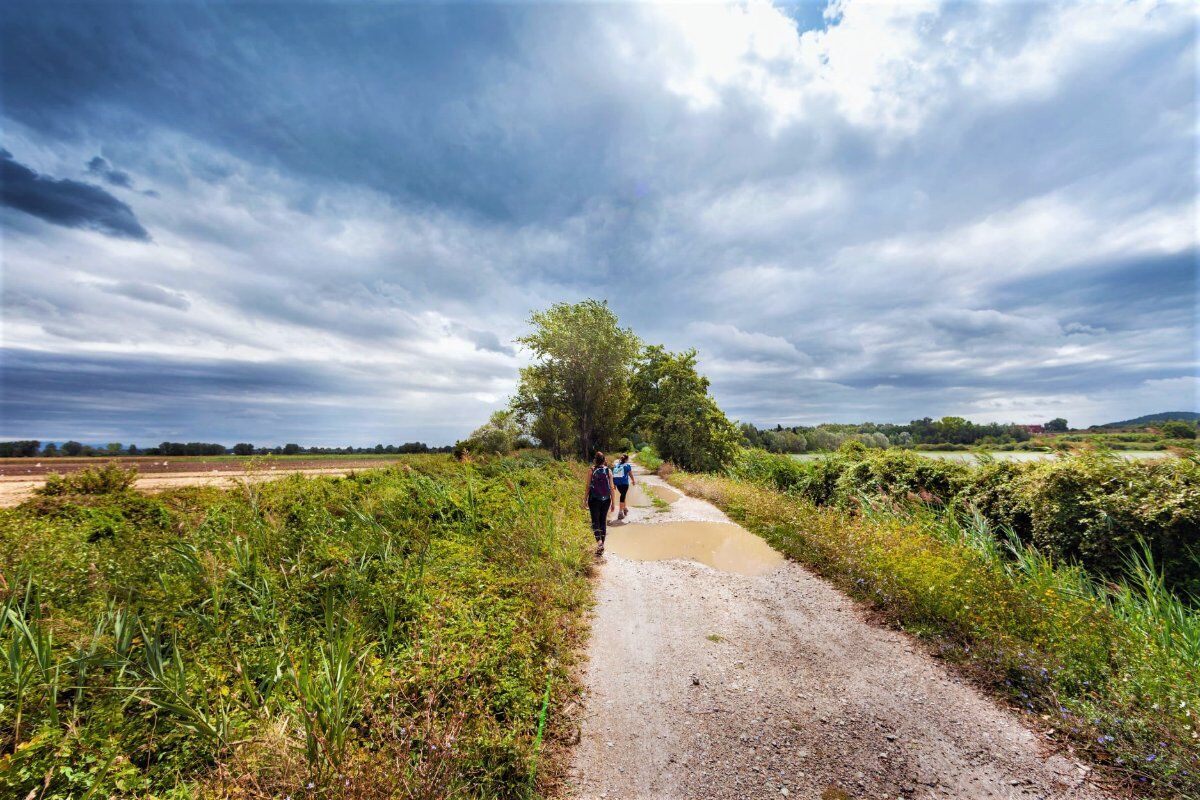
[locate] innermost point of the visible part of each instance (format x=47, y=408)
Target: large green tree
x=673, y=410
x=575, y=396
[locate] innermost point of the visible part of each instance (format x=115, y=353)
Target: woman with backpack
x=622, y=473
x=597, y=499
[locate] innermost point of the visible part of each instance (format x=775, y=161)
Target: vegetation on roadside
x=1113, y=668
x=648, y=457
x=500, y=435
x=391, y=633
x=1092, y=509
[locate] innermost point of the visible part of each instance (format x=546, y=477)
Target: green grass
x=1113, y=668
x=648, y=458
x=394, y=633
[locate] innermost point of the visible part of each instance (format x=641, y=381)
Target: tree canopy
x=673, y=410
x=575, y=396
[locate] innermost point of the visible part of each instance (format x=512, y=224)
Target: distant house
x=1033, y=428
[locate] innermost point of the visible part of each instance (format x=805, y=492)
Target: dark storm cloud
x=101, y=168
x=1114, y=295
x=65, y=202
x=408, y=100
x=146, y=399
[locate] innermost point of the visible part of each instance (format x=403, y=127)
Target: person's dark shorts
x=622, y=488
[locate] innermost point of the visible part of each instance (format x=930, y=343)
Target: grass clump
x=393, y=633
x=1113, y=667
x=107, y=479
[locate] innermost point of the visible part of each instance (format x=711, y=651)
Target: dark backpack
x=599, y=486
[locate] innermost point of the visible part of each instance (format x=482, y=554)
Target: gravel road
x=710, y=684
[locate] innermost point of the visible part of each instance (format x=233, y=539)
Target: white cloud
x=889, y=66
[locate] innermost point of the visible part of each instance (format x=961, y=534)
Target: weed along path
x=719, y=670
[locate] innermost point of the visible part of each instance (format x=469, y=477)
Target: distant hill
x=1150, y=419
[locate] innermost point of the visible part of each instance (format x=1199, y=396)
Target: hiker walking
x=598, y=497
x=622, y=473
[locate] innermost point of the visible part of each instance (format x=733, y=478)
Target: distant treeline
x=31, y=448
x=928, y=432
x=957, y=433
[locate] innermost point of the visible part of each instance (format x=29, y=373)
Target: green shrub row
x=387, y=634
x=1114, y=670
x=648, y=458
x=1094, y=509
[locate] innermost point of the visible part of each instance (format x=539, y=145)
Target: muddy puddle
x=664, y=493
x=637, y=497
x=720, y=545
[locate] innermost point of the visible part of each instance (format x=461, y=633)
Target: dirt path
x=712, y=684
x=15, y=489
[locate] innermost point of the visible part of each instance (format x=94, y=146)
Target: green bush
x=1178, y=429
x=648, y=458
x=1090, y=508
x=108, y=479
x=901, y=475
x=1097, y=509
x=844, y=477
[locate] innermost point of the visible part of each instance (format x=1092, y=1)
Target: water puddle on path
x=664, y=493
x=720, y=545
x=637, y=497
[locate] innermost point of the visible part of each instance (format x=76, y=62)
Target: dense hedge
x=1092, y=508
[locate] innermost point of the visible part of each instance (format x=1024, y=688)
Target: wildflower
x=1152, y=757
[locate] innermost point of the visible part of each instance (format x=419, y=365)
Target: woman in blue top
x=622, y=478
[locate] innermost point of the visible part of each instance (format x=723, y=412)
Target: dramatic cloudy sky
x=325, y=223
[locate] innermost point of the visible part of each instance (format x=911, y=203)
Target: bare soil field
x=25, y=467
x=20, y=476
